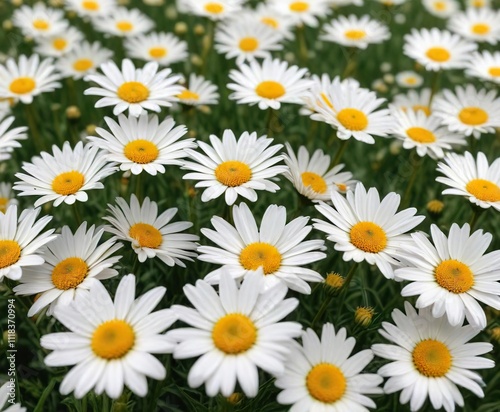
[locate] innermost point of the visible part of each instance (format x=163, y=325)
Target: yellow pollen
x=438, y=54
x=364, y=315
x=270, y=22
x=342, y=187
x=440, y=5
x=124, y=26
x=494, y=71
x=141, y=151
x=355, y=34
x=315, y=182
x=59, y=43
x=334, y=280
x=22, y=85
x=480, y=28
x=423, y=108
x=326, y=383
x=326, y=100
x=82, y=65
x=454, y=276
x=188, y=95
x=435, y=206
x=411, y=80
x=299, y=6
x=353, y=119
x=158, y=52
x=91, y=5
x=432, y=358
x=233, y=173
x=146, y=235
x=421, y=135
x=113, y=339
x=478, y=3
x=484, y=190
x=68, y=183
x=69, y=273
x=3, y=204
x=10, y=252
x=473, y=116
x=270, y=89
x=133, y=92
x=261, y=254
x=214, y=8
x=369, y=237
x=234, y=334
x=41, y=24
x=249, y=44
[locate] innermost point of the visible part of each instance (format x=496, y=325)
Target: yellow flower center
x=484, y=190
x=22, y=85
x=82, y=65
x=188, y=95
x=124, y=26
x=438, y=54
x=326, y=100
x=478, y=3
x=440, y=5
x=368, y=237
x=494, y=71
x=68, y=183
x=314, y=181
x=432, y=358
x=454, y=276
x=342, y=187
x=214, y=8
x=10, y=252
x=158, y=52
x=3, y=204
x=249, y=44
x=133, y=92
x=411, y=80
x=141, y=151
x=233, y=173
x=41, y=24
x=113, y=339
x=270, y=22
x=353, y=119
x=423, y=108
x=480, y=28
x=326, y=383
x=473, y=116
x=260, y=254
x=91, y=5
x=234, y=334
x=270, y=89
x=421, y=135
x=299, y=6
x=69, y=273
x=59, y=43
x=355, y=34
x=146, y=235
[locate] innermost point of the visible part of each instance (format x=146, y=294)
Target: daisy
x=64, y=176
x=441, y=8
x=409, y=79
x=485, y=65
x=134, y=89
x=233, y=333
x=365, y=228
x=270, y=17
x=92, y=8
x=305, y=12
x=111, y=343
x=199, y=91
x=438, y=49
x=321, y=374
x=72, y=261
x=142, y=143
x=352, y=31
x=9, y=139
x=151, y=235
x=477, y=24
x=214, y=10
x=277, y=248
x=39, y=20
x=235, y=167
x=6, y=196
x=27, y=78
x=479, y=3
x=163, y=48
x=84, y=59
x=392, y=3
x=310, y=175
x=430, y=358
x=60, y=44
x=417, y=100
x=470, y=178
x=123, y=22
x=425, y=133
x=7, y=398
x=20, y=240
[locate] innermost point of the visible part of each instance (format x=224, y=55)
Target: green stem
x=72, y=95
x=269, y=122
x=351, y=64
x=413, y=177
x=340, y=152
x=301, y=38
x=208, y=42
x=76, y=214
x=476, y=213
x=345, y=287
x=138, y=187
x=32, y=124
x=434, y=86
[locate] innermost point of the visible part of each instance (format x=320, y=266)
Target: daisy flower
x=142, y=143
x=60, y=44
x=392, y=3
x=430, y=358
x=441, y=8
x=305, y=12
x=151, y=235
x=321, y=374
x=199, y=91
x=270, y=17
x=213, y=9
x=468, y=110
x=123, y=22
x=409, y=79
x=9, y=139
x=134, y=89
x=477, y=24
x=352, y=31
x=6, y=399
x=92, y=8
x=365, y=228
x=65, y=175
x=470, y=178
x=234, y=333
x=485, y=65
x=84, y=59
x=6, y=196
x=39, y=20
x=72, y=261
x=479, y=3
x=111, y=343
x=20, y=240
x=27, y=78
x=163, y=48
x=235, y=167
x=310, y=175
x=416, y=100
x=268, y=84
x=277, y=248
x=438, y=49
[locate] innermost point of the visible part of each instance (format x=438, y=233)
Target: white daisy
x=39, y=20
x=302, y=12
x=365, y=228
x=277, y=248
x=233, y=333
x=123, y=22
x=321, y=374
x=72, y=261
x=477, y=24
x=6, y=196
x=110, y=342
x=199, y=91
x=235, y=167
x=151, y=235
x=92, y=8
x=430, y=358
x=441, y=8
x=20, y=240
x=64, y=176
x=409, y=79
x=84, y=59
x=479, y=3
x=268, y=84
x=417, y=100
x=134, y=89
x=9, y=139
x=213, y=9
x=485, y=65
x=7, y=397
x=392, y=3
x=60, y=44
x=163, y=48
x=267, y=15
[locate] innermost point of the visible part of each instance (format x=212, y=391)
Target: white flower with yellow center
x=416, y=100
x=430, y=358
x=60, y=44
x=198, y=92
x=409, y=79
x=6, y=402
x=479, y=3
x=473, y=179
x=268, y=84
x=234, y=333
x=277, y=248
x=480, y=25
x=310, y=175
x=134, y=89
x=321, y=375
x=438, y=49
x=441, y=8
x=64, y=176
x=352, y=31
x=72, y=261
x=9, y=139
x=303, y=11
x=213, y=9
x=468, y=110
x=20, y=240
x=111, y=343
x=123, y=22
x=27, y=78
x=485, y=65
x=6, y=197
x=235, y=167
x=163, y=48
x=365, y=228
x=92, y=8
x=39, y=20
x=84, y=59
x=425, y=133
x=391, y=3
x=151, y=234
x=267, y=15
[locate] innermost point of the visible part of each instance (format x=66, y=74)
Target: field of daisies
x=249, y=206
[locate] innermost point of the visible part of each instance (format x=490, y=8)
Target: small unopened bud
x=435, y=207
x=364, y=315
x=7, y=25
x=191, y=191
x=17, y=3
x=73, y=113
x=235, y=398
x=90, y=129
x=495, y=334
x=334, y=282
x=199, y=30
x=196, y=60
x=389, y=78
x=180, y=28
x=171, y=12
x=205, y=109
x=192, y=134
